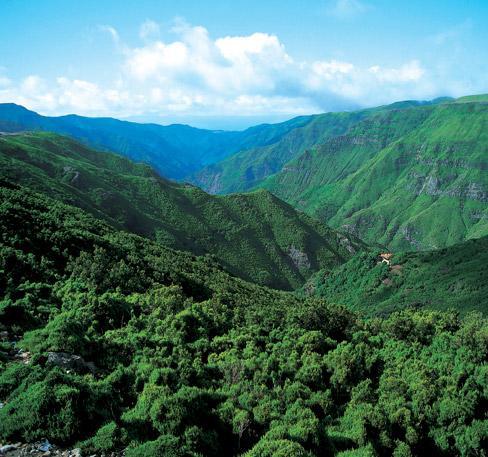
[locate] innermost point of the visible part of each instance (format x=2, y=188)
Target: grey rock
x=7, y=448
x=299, y=258
x=45, y=446
x=346, y=243
x=409, y=234
x=69, y=362
x=432, y=185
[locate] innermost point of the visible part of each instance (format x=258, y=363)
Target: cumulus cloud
x=235, y=75
x=409, y=72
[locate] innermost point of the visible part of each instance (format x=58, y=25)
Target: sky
x=231, y=64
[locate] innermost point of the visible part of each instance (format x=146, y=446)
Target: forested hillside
x=255, y=236
x=112, y=342
x=451, y=278
x=413, y=178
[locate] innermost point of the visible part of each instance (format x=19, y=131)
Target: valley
x=328, y=297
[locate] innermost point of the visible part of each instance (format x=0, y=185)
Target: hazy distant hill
x=174, y=150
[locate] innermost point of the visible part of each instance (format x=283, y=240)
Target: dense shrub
x=193, y=362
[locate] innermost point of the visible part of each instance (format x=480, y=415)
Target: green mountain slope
x=449, y=278
x=111, y=342
x=245, y=169
x=414, y=178
x=481, y=98
x=255, y=236
x=337, y=158
x=249, y=167
x=174, y=150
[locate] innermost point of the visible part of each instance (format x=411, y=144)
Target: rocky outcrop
x=44, y=449
x=71, y=174
x=208, y=179
x=409, y=235
x=299, y=258
x=346, y=243
x=69, y=362
x=434, y=186
x=452, y=163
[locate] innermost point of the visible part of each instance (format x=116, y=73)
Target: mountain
x=174, y=150
x=117, y=345
x=247, y=168
x=449, y=278
x=408, y=178
x=255, y=236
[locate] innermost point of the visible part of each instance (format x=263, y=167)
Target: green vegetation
x=408, y=178
x=127, y=322
x=410, y=175
x=246, y=168
x=181, y=359
x=391, y=175
x=174, y=150
x=472, y=98
x=449, y=278
x=255, y=236
x=250, y=166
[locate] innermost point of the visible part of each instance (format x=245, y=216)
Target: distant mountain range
x=175, y=150
x=249, y=167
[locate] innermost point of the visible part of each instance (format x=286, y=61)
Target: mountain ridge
x=248, y=168
x=174, y=150
x=256, y=235
x=399, y=193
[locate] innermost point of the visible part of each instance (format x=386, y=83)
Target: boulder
x=70, y=362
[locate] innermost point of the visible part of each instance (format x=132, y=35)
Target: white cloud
x=156, y=60
x=409, y=72
x=196, y=74
x=32, y=84
x=78, y=94
x=196, y=62
x=64, y=96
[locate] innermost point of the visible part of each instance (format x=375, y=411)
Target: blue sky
x=234, y=63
